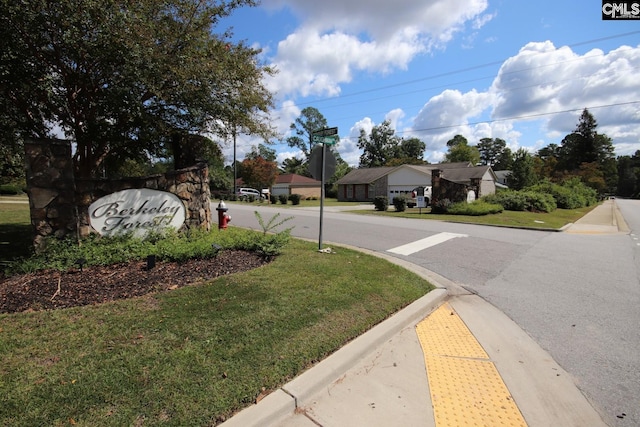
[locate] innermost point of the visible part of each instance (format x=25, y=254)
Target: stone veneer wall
x=59, y=203
x=51, y=189
x=444, y=189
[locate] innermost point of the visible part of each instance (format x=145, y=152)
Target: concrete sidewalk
x=381, y=378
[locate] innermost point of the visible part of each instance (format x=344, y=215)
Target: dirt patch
x=47, y=290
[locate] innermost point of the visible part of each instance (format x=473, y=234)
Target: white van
x=420, y=191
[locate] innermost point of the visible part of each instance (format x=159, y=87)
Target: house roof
x=365, y=175
x=502, y=174
x=463, y=175
x=370, y=175
x=292, y=178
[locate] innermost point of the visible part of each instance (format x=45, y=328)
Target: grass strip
x=195, y=355
x=537, y=220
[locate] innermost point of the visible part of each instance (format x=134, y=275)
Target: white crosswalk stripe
x=425, y=243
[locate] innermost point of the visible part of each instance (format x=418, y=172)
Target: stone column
x=51, y=189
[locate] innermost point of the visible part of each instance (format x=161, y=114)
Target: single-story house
x=291, y=183
x=363, y=185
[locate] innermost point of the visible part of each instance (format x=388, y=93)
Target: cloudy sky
x=516, y=70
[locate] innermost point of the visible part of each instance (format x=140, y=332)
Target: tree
x=258, y=172
x=504, y=162
x=412, y=148
x=380, y=146
x=263, y=151
x=309, y=121
x=11, y=161
x=461, y=151
x=127, y=77
x=490, y=150
x=586, y=145
x=522, y=174
x=295, y=165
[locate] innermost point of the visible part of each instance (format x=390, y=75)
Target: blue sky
x=520, y=71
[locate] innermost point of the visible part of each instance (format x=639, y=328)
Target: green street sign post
x=326, y=136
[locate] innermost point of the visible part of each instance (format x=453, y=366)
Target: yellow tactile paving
x=466, y=388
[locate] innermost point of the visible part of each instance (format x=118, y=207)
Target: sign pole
x=324, y=147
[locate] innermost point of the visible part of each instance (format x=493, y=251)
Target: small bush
x=10, y=189
x=476, y=208
x=400, y=203
x=441, y=206
x=283, y=198
x=295, y=199
x=381, y=203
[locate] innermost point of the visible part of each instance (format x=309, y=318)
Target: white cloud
x=543, y=79
x=338, y=38
x=394, y=118
x=446, y=115
x=382, y=19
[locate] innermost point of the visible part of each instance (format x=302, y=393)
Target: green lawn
x=195, y=355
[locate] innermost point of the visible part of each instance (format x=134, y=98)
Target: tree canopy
x=125, y=77
x=461, y=151
x=382, y=147
x=583, y=153
x=309, y=121
x=491, y=150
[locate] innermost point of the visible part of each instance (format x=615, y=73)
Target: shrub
x=295, y=199
x=283, y=198
x=10, y=189
x=476, y=208
x=400, y=203
x=273, y=199
x=440, y=206
x=381, y=203
x=523, y=201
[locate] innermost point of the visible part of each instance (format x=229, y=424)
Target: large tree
x=258, y=173
x=586, y=146
x=309, y=121
x=117, y=76
x=522, y=173
x=378, y=147
x=490, y=150
x=461, y=151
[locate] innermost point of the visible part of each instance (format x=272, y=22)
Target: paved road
x=577, y=295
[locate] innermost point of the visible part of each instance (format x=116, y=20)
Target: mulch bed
x=48, y=290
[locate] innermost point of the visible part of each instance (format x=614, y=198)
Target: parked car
x=420, y=191
x=250, y=192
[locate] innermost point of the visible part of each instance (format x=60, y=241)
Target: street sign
x=327, y=140
x=325, y=132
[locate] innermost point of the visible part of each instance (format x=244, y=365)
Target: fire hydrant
x=223, y=216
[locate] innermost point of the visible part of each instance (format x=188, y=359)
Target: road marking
x=425, y=243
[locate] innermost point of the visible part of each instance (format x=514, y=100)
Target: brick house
x=291, y=183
